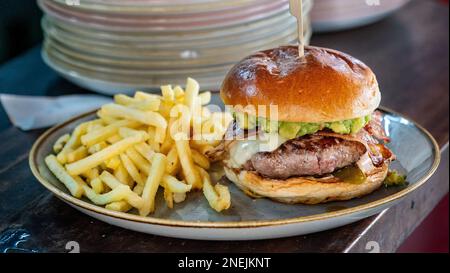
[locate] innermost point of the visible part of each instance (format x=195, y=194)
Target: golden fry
x=131, y=169
x=140, y=162
x=152, y=184
x=187, y=164
x=113, y=163
x=167, y=93
x=149, y=118
x=80, y=153
x=104, y=133
x=200, y=160
x=97, y=147
x=132, y=198
x=97, y=186
x=145, y=150
x=175, y=185
x=118, y=194
x=60, y=142
x=205, y=98
x=96, y=159
x=58, y=170
x=122, y=175
x=168, y=197
x=218, y=197
x=73, y=142
x=120, y=206
x=173, y=162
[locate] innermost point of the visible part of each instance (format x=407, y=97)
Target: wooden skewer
x=296, y=7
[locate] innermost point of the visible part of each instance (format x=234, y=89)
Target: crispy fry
x=218, y=196
x=73, y=142
x=179, y=197
x=179, y=94
x=144, y=104
x=104, y=133
x=168, y=93
x=138, y=189
x=80, y=153
x=96, y=159
x=167, y=145
x=94, y=125
x=118, y=194
x=132, y=198
x=152, y=184
x=122, y=175
x=140, y=162
x=58, y=170
x=60, y=142
x=115, y=138
x=191, y=94
x=145, y=96
x=200, y=160
x=145, y=150
x=187, y=164
x=107, y=120
x=168, y=197
x=173, y=162
x=120, y=206
x=205, y=98
x=149, y=118
x=175, y=185
x=97, y=186
x=152, y=139
x=113, y=163
x=91, y=174
x=131, y=169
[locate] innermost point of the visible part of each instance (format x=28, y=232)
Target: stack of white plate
x=332, y=15
x=114, y=46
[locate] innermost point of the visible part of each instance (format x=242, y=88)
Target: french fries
x=151, y=185
x=96, y=159
x=140, y=144
x=187, y=164
x=58, y=170
x=218, y=196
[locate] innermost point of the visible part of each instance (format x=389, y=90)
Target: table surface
x=409, y=53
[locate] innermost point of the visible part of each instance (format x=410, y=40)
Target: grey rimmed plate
x=251, y=219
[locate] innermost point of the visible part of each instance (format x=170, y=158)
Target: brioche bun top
x=324, y=86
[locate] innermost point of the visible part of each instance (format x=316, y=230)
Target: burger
x=326, y=141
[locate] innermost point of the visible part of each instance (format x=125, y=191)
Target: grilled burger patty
x=306, y=156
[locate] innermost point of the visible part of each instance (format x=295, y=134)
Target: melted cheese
x=243, y=150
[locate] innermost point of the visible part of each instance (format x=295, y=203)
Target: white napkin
x=34, y=112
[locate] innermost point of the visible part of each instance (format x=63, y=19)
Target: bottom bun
x=303, y=190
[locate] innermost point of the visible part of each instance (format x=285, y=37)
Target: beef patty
x=306, y=156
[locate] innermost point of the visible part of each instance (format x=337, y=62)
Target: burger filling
x=282, y=150
x=305, y=156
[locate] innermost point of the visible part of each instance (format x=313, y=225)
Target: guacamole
x=292, y=130
x=394, y=178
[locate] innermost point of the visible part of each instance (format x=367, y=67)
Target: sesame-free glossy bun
x=326, y=85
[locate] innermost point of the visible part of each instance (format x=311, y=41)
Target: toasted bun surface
x=303, y=190
x=326, y=85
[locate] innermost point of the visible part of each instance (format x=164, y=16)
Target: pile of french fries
x=139, y=144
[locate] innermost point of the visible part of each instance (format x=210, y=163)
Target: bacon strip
x=375, y=127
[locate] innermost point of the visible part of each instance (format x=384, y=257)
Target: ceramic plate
x=331, y=15
x=250, y=219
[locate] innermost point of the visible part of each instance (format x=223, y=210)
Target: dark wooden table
x=409, y=52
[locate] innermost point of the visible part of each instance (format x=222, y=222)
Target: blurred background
x=20, y=31
x=20, y=27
